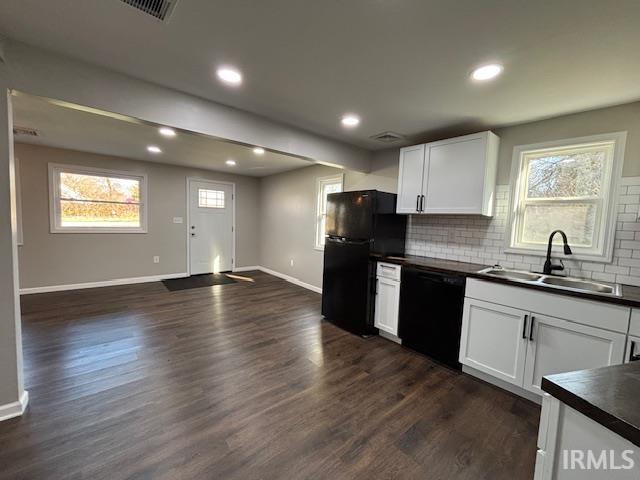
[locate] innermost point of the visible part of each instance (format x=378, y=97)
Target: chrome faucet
x=548, y=268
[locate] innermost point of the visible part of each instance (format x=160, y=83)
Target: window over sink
x=569, y=185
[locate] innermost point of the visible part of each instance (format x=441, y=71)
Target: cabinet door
x=558, y=346
x=455, y=178
x=493, y=340
x=410, y=179
x=387, y=305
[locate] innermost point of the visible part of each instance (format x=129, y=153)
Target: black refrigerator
x=358, y=225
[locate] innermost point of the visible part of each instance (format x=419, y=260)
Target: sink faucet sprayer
x=548, y=268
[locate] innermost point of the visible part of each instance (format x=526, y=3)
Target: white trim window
x=325, y=186
x=95, y=200
x=568, y=185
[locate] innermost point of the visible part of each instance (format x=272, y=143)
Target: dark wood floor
x=244, y=381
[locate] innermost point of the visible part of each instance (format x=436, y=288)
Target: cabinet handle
x=417, y=203
x=422, y=203
x=533, y=319
x=524, y=327
x=634, y=357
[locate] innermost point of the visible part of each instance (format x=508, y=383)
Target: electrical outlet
x=291, y=262
x=156, y=259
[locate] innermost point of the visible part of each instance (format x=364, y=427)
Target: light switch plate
x=177, y=219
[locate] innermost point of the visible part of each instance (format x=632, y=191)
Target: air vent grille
x=160, y=9
x=29, y=132
x=387, y=137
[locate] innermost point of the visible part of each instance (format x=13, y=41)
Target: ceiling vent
x=387, y=137
x=159, y=9
x=25, y=131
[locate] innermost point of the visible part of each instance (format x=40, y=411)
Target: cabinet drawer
x=388, y=270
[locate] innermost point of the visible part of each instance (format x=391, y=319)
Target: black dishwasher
x=431, y=313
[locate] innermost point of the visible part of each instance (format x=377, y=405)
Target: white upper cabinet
x=410, y=179
x=453, y=176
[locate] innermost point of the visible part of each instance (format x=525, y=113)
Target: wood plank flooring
x=244, y=381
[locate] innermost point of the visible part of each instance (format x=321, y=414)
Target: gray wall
x=11, y=379
x=66, y=258
x=295, y=191
x=46, y=74
x=288, y=222
x=604, y=120
x=288, y=213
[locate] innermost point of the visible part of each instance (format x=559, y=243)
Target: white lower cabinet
x=387, y=305
x=493, y=340
x=520, y=346
x=558, y=346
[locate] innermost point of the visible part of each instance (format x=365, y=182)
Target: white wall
x=48, y=259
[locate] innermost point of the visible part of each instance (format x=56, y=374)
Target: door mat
x=197, y=281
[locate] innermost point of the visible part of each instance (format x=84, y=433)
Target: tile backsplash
x=482, y=240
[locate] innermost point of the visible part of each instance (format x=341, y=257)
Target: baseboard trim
x=104, y=283
x=15, y=409
x=246, y=269
x=291, y=279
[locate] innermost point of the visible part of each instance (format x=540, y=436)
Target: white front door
x=210, y=227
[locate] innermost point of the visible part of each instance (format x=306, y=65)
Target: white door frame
x=233, y=218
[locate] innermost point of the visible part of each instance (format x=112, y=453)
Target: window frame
x=606, y=216
x=320, y=183
x=55, y=169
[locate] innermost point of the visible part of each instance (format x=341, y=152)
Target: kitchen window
x=92, y=200
x=568, y=185
x=325, y=186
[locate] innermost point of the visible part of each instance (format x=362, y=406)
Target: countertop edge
x=589, y=410
x=467, y=269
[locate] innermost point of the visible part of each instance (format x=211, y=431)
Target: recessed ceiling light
x=350, y=120
x=154, y=149
x=231, y=163
x=229, y=75
x=167, y=132
x=487, y=72
x=258, y=151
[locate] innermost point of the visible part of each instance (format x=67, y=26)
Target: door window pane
x=210, y=198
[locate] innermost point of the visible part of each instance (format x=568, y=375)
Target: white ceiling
x=403, y=65
x=71, y=128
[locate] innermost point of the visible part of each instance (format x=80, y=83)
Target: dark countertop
x=608, y=395
x=630, y=294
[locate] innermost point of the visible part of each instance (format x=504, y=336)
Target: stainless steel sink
x=581, y=285
x=514, y=275
x=550, y=281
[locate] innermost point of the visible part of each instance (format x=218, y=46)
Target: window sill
x=96, y=230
